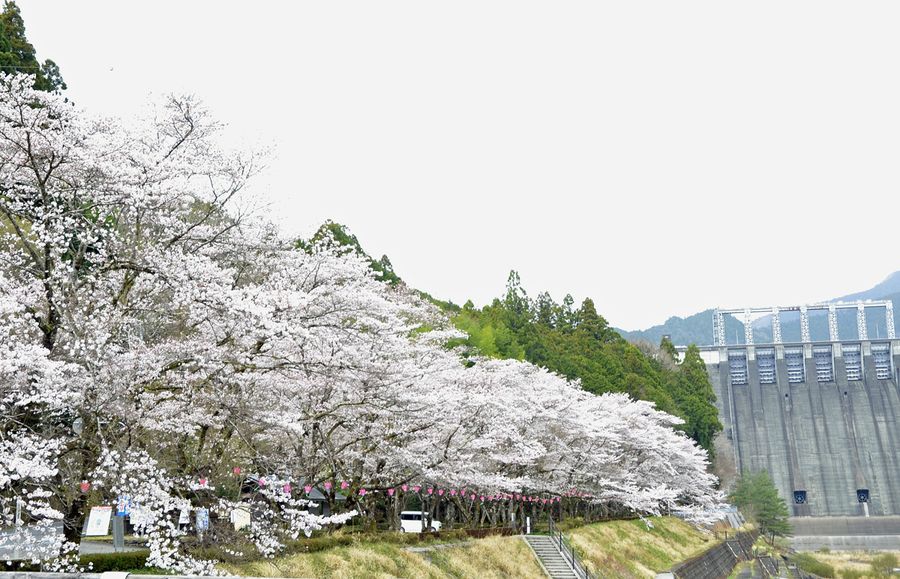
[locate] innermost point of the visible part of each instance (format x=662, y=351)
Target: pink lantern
x=390, y=492
x=452, y=492
x=307, y=489
x=430, y=490
x=261, y=482
x=85, y=486
x=472, y=497
x=417, y=488
x=202, y=482
x=404, y=488
x=287, y=488
x=482, y=498
x=236, y=470
x=327, y=485
x=344, y=485
x=440, y=492
x=362, y=492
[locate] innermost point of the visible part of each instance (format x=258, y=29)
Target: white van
x=411, y=522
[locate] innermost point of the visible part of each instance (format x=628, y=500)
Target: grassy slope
x=493, y=557
x=853, y=563
x=624, y=549
x=629, y=549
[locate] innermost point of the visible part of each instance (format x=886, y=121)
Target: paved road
x=13, y=541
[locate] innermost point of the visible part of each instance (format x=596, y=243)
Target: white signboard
x=201, y=519
x=240, y=518
x=98, y=522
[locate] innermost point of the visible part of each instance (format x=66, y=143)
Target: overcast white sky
x=660, y=157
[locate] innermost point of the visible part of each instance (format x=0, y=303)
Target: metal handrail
x=568, y=552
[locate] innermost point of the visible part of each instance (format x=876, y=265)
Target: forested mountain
x=698, y=328
x=695, y=329
x=578, y=343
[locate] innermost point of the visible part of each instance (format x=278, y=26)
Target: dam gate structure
x=822, y=416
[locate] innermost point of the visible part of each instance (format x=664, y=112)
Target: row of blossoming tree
x=157, y=343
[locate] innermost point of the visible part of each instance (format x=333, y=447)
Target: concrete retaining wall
x=847, y=543
x=846, y=533
x=718, y=561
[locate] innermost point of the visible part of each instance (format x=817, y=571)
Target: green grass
x=629, y=549
x=812, y=565
x=490, y=558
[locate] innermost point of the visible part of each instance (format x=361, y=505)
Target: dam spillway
x=822, y=417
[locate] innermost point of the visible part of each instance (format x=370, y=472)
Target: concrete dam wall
x=823, y=418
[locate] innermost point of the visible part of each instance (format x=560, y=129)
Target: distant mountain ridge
x=881, y=291
x=698, y=328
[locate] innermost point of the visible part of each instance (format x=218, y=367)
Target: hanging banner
x=98, y=522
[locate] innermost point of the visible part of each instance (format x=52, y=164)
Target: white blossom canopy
x=151, y=334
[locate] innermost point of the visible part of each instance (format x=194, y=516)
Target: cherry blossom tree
x=153, y=336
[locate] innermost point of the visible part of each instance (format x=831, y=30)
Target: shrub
x=812, y=565
x=98, y=563
x=883, y=565
x=104, y=562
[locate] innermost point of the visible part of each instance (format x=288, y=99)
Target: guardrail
x=568, y=552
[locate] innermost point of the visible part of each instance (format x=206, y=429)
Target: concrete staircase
x=551, y=559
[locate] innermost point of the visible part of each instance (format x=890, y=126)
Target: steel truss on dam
x=832, y=309
x=822, y=417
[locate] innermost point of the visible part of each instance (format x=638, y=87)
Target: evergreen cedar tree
x=755, y=494
x=580, y=344
x=17, y=55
